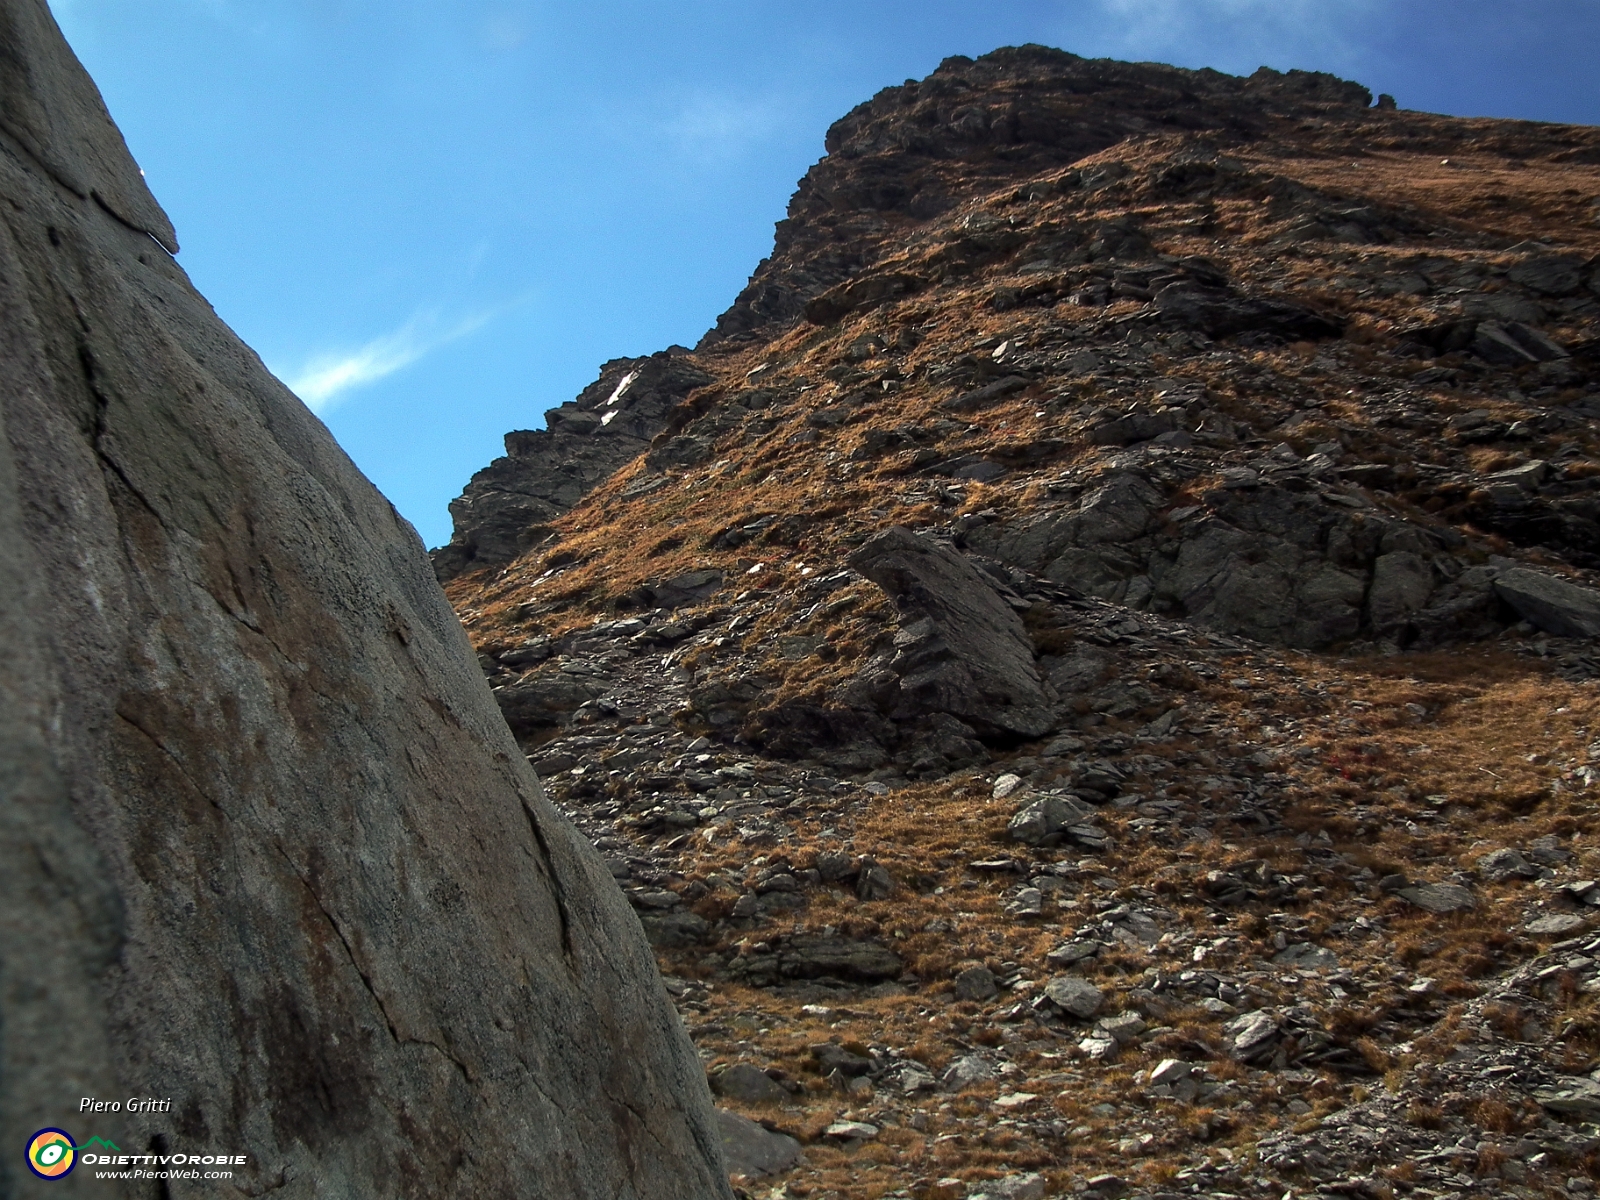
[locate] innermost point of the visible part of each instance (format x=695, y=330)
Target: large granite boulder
x=266, y=846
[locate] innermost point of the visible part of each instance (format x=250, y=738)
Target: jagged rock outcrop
x=914, y=151
x=268, y=848
x=960, y=648
x=546, y=471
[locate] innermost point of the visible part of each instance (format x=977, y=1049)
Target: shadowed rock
x=266, y=845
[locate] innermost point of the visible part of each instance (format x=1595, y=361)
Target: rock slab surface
x=268, y=848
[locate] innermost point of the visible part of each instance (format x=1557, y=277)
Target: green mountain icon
x=94, y=1141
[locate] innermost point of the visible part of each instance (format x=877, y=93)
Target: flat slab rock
x=1553, y=604
x=1556, y=924
x=268, y=847
x=1306, y=956
x=749, y=1084
x=1575, y=1095
x=1439, y=897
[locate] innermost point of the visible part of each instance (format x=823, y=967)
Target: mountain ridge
x=1096, y=693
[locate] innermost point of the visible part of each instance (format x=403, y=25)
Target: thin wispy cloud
x=325, y=378
x=721, y=126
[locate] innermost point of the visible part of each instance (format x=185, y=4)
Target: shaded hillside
x=1136, y=533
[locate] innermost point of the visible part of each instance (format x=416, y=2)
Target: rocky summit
x=270, y=863
x=1087, y=673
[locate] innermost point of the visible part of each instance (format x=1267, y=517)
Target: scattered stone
x=1015, y=1100
x=831, y=1057
x=966, y=1071
x=1013, y=1187
x=1050, y=819
x=1253, y=1034
x=1506, y=863
x=874, y=883
x=1125, y=1027
x=1029, y=903
x=1099, y=1047
x=845, y=1131
x=1306, y=956
x=1072, y=952
x=1548, y=851
x=1007, y=785
x=1171, y=1070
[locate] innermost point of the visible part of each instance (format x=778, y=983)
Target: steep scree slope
x=268, y=849
x=1264, y=862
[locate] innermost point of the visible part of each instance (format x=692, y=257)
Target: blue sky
x=435, y=218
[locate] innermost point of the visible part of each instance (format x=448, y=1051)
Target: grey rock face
x=1266, y=563
x=267, y=847
x=1553, y=604
x=962, y=650
x=1218, y=313
x=547, y=471
x=1549, y=274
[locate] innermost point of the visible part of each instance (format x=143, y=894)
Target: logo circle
x=51, y=1154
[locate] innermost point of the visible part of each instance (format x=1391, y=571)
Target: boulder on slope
x=266, y=844
x=961, y=649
